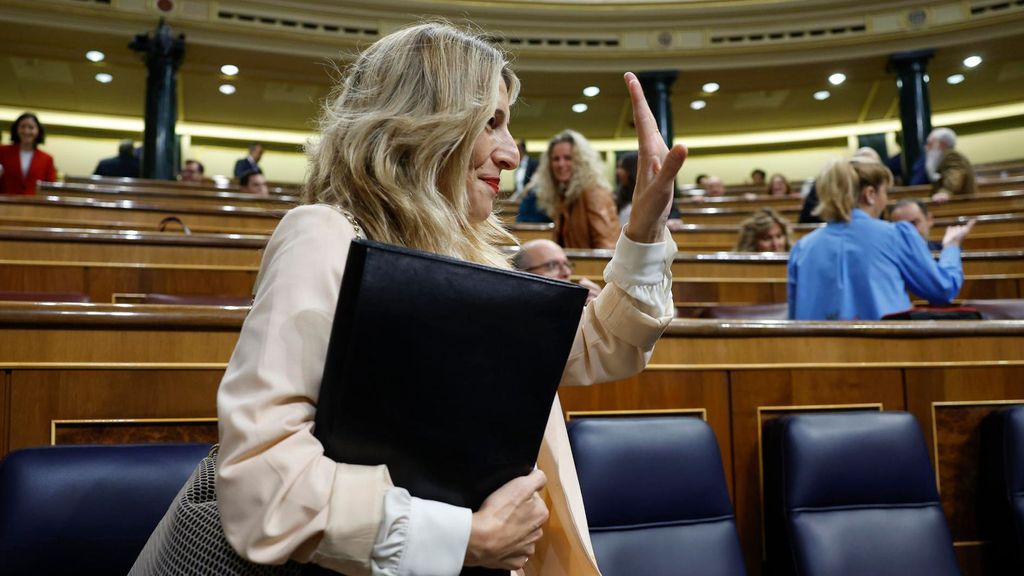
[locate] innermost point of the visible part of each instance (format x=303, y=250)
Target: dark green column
x=657, y=87
x=163, y=54
x=915, y=109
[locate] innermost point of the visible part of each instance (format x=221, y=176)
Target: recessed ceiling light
x=229, y=69
x=227, y=88
x=698, y=104
x=579, y=107
x=822, y=95
x=927, y=78
x=95, y=56
x=955, y=79
x=104, y=78
x=591, y=91
x=972, y=61
x=710, y=87
x=837, y=79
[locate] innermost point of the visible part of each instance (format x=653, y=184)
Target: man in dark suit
x=124, y=165
x=251, y=162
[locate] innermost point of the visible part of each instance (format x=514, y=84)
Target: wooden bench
x=166, y=196
x=77, y=373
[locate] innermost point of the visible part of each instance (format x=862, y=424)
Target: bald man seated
x=545, y=258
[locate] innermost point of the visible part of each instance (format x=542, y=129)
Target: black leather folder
x=443, y=370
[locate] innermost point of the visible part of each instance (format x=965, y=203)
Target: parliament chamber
x=122, y=298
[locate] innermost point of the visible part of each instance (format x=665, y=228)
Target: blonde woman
x=410, y=152
x=860, y=267
x=573, y=191
x=765, y=231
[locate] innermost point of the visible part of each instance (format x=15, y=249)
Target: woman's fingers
x=643, y=119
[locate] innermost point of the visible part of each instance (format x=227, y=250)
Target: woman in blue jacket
x=860, y=267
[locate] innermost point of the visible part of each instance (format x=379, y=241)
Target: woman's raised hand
x=657, y=166
x=508, y=525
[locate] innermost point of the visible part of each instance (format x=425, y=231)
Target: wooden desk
x=70, y=370
x=166, y=195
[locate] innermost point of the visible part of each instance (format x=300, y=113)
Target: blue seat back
x=656, y=498
x=852, y=493
x=86, y=509
x=1001, y=514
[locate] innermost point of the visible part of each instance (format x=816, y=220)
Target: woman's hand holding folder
x=508, y=524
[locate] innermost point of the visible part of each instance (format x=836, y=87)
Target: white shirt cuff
x=644, y=271
x=420, y=537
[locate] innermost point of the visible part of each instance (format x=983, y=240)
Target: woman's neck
x=26, y=146
x=873, y=211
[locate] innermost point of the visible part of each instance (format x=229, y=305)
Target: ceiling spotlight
x=591, y=91
x=229, y=69
x=579, y=107
x=955, y=79
x=104, y=78
x=710, y=87
x=837, y=79
x=927, y=78
x=822, y=95
x=698, y=104
x=227, y=89
x=95, y=56
x=972, y=61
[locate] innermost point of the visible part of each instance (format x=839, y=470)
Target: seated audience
x=949, y=171
x=765, y=231
x=757, y=177
x=192, y=172
x=545, y=258
x=779, y=186
x=701, y=180
x=22, y=164
x=124, y=165
x=860, y=267
x=916, y=212
x=713, y=186
x=254, y=183
x=572, y=189
x=250, y=163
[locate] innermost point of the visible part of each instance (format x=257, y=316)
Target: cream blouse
x=280, y=498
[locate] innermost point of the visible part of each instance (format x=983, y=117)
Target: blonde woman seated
x=859, y=267
x=573, y=191
x=411, y=149
x=765, y=231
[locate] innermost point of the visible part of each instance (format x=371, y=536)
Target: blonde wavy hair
x=758, y=225
x=396, y=140
x=587, y=173
x=841, y=186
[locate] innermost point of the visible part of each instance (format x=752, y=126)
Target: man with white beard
x=949, y=171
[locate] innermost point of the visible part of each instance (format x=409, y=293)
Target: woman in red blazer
x=21, y=163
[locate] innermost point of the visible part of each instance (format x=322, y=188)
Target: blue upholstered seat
x=849, y=494
x=655, y=495
x=86, y=509
x=1001, y=515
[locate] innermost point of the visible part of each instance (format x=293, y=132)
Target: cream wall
x=78, y=155
x=993, y=146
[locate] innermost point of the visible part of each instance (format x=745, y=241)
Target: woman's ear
x=870, y=195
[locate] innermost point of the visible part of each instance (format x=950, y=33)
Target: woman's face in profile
x=493, y=151
x=561, y=162
x=774, y=240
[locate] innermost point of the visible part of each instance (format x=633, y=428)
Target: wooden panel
x=100, y=281
x=40, y=396
x=225, y=222
x=5, y=411
x=661, y=390
x=134, y=431
x=950, y=404
x=752, y=392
